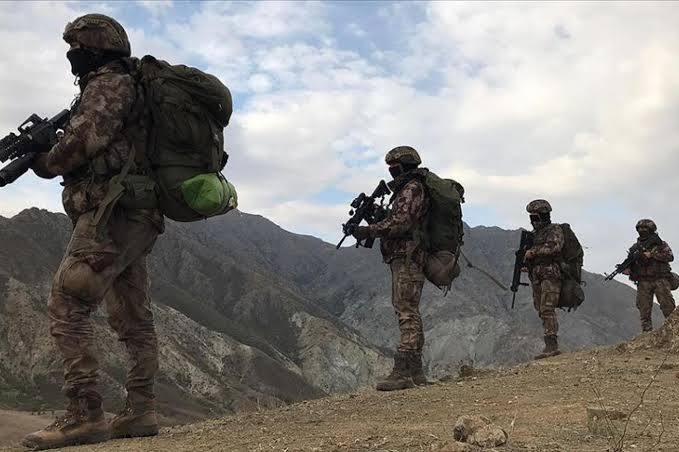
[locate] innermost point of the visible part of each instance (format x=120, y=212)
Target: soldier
x=405, y=256
x=651, y=273
x=543, y=261
x=106, y=257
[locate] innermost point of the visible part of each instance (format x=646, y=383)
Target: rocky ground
x=543, y=406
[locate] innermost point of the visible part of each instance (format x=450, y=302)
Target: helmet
x=403, y=154
x=648, y=224
x=96, y=31
x=538, y=206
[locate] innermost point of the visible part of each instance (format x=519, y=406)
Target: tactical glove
x=361, y=233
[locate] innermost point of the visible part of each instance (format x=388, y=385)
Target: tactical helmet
x=646, y=223
x=403, y=154
x=538, y=206
x=97, y=31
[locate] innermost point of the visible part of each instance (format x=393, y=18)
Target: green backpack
x=184, y=112
x=443, y=230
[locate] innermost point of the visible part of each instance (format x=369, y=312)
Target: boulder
x=488, y=436
x=465, y=426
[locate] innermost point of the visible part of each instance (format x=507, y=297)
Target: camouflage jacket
x=547, y=245
x=658, y=266
x=397, y=232
x=94, y=146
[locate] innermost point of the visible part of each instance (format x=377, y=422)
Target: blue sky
x=514, y=100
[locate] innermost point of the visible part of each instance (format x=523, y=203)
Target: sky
x=576, y=102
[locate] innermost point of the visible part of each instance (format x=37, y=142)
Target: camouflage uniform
x=402, y=249
x=94, y=148
x=545, y=275
x=543, y=260
x=406, y=258
x=652, y=277
x=105, y=260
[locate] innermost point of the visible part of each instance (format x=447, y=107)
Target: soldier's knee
x=79, y=280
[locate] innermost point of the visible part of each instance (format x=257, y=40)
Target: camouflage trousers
x=112, y=269
x=545, y=299
x=407, y=279
x=645, y=291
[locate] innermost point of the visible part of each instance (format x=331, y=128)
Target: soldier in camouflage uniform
x=543, y=261
x=651, y=273
x=106, y=257
x=406, y=258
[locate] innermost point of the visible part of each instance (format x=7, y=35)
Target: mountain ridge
x=275, y=303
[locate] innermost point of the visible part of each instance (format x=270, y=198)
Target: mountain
x=252, y=316
x=233, y=336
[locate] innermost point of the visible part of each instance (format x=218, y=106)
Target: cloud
x=575, y=102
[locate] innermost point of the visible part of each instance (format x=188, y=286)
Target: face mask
x=82, y=61
x=395, y=171
x=643, y=233
x=537, y=221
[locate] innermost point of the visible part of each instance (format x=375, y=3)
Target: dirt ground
x=15, y=424
x=541, y=405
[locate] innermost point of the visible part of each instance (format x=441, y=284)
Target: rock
x=465, y=426
x=489, y=436
x=600, y=420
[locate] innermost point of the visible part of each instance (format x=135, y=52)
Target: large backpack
x=572, y=255
x=443, y=230
x=184, y=114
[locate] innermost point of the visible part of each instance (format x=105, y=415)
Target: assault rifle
x=365, y=208
x=633, y=255
x=36, y=135
x=524, y=245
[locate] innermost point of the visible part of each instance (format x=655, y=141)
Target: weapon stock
x=36, y=135
x=525, y=244
x=363, y=207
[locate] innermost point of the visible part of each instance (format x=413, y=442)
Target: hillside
x=251, y=316
x=541, y=405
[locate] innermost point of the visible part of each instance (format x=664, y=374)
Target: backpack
x=572, y=255
x=184, y=113
x=443, y=230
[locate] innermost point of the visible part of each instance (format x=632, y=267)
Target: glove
x=530, y=254
x=361, y=233
x=39, y=166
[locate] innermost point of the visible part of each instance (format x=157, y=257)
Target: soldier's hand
x=39, y=166
x=530, y=254
x=361, y=233
x=627, y=272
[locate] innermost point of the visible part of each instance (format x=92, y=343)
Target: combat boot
x=138, y=419
x=399, y=378
x=79, y=425
x=551, y=348
x=416, y=372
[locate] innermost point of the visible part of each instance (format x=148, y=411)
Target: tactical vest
x=650, y=268
x=539, y=239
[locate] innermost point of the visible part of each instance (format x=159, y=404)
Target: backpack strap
x=116, y=188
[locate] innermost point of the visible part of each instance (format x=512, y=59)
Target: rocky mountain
x=251, y=316
x=234, y=336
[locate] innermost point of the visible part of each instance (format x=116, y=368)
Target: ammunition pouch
x=141, y=192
